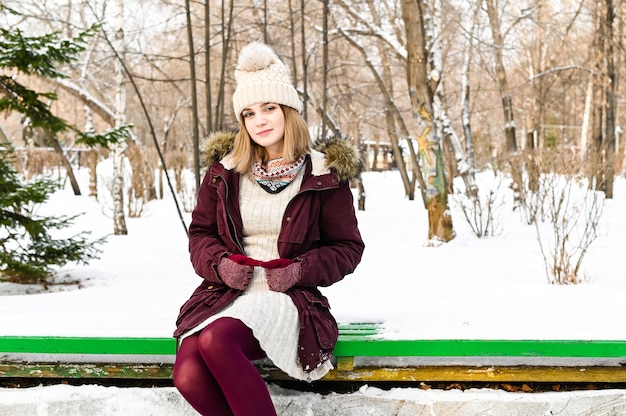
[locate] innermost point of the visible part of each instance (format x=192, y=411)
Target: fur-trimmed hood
x=333, y=153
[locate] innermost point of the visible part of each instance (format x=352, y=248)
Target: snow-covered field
x=492, y=288
x=468, y=288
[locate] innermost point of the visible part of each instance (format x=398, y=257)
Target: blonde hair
x=297, y=142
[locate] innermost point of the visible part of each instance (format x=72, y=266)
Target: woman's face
x=265, y=124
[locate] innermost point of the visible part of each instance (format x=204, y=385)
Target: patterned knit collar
x=274, y=177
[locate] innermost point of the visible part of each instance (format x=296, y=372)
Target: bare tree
x=465, y=86
x=611, y=99
x=324, y=65
x=391, y=115
x=194, y=97
x=226, y=24
x=305, y=65
x=493, y=11
x=207, y=66
x=378, y=60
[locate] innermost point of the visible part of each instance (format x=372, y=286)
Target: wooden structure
x=361, y=355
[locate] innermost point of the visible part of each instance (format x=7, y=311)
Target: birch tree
x=119, y=218
x=443, y=124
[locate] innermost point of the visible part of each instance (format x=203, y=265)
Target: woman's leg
x=195, y=382
x=228, y=348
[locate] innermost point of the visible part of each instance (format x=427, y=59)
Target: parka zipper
x=229, y=217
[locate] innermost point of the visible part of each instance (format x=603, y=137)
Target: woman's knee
x=220, y=337
x=185, y=377
x=188, y=367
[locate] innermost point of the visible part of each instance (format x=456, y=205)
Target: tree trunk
x=226, y=26
x=265, y=34
x=305, y=66
x=595, y=149
x=503, y=84
x=194, y=97
x=119, y=219
x=392, y=114
x=458, y=162
x=3, y=136
x=325, y=67
x=421, y=98
x=611, y=102
x=396, y=128
x=361, y=191
x=292, y=54
x=584, y=131
x=66, y=163
x=92, y=157
x=207, y=66
x=465, y=90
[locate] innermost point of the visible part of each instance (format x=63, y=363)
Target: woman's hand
x=283, y=278
x=235, y=275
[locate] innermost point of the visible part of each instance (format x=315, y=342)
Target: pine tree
x=28, y=252
x=39, y=56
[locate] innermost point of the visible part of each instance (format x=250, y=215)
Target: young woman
x=274, y=220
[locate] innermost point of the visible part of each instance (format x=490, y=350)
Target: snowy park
x=468, y=288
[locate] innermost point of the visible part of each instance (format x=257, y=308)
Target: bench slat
x=368, y=347
x=491, y=374
x=87, y=345
x=350, y=344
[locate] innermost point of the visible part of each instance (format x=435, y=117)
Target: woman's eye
x=270, y=108
x=248, y=114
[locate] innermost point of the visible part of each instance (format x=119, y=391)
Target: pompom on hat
x=262, y=78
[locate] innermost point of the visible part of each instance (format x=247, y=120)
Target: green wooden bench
x=361, y=354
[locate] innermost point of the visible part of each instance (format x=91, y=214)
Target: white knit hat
x=262, y=78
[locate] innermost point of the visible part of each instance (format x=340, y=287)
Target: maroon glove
x=283, y=278
x=235, y=275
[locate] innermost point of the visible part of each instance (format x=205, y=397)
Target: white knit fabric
x=272, y=316
x=262, y=78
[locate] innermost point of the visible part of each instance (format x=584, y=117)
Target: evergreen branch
x=105, y=139
x=40, y=55
x=16, y=97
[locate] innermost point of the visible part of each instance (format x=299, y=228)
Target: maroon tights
x=215, y=374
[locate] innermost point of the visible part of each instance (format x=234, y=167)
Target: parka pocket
x=322, y=321
x=205, y=298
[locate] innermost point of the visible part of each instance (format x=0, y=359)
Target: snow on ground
x=492, y=288
x=468, y=288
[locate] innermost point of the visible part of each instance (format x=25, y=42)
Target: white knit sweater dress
x=272, y=316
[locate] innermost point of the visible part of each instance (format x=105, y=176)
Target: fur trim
x=333, y=154
x=216, y=146
x=340, y=156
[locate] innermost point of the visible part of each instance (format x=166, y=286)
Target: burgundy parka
x=319, y=229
